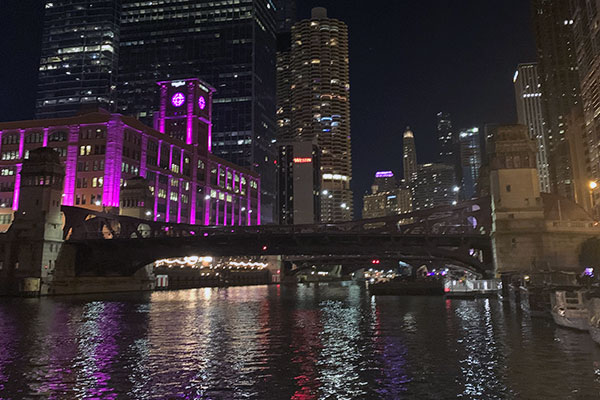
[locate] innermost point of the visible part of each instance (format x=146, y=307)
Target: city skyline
x=477, y=78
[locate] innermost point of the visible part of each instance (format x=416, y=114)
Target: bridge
x=105, y=243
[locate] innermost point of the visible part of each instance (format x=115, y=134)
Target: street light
x=593, y=185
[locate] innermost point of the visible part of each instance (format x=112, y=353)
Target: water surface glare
x=277, y=342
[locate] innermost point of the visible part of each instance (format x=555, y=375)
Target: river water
x=278, y=342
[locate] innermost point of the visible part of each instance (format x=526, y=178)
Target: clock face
x=178, y=99
x=202, y=102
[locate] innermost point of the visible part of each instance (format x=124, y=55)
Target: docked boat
x=569, y=308
x=471, y=288
x=594, y=318
x=536, y=301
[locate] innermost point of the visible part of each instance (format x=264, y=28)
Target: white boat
x=594, y=318
x=569, y=309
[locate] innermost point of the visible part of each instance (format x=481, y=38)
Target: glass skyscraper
x=559, y=79
x=470, y=160
x=80, y=54
x=229, y=44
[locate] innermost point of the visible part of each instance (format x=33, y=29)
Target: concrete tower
x=409, y=159
x=528, y=95
x=320, y=105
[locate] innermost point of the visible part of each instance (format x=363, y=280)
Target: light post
x=593, y=185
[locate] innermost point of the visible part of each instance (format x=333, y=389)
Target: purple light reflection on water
x=103, y=351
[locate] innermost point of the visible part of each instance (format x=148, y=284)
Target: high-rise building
x=434, y=186
x=409, y=157
x=587, y=40
x=529, y=110
x=446, y=142
x=384, y=182
x=299, y=183
x=320, y=105
x=102, y=151
x=230, y=44
x=470, y=160
x=79, y=58
x=558, y=75
x=386, y=198
x=286, y=14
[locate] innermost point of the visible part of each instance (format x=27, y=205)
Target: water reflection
x=277, y=342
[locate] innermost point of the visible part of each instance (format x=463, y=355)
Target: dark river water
x=325, y=342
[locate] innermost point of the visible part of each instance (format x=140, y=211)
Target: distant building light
x=384, y=174
x=302, y=160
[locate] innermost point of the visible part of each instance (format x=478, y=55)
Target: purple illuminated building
x=102, y=151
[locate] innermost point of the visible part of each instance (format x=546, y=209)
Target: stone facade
x=531, y=231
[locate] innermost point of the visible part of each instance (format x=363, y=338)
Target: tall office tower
x=587, y=41
x=386, y=197
x=446, y=141
x=529, y=109
x=299, y=183
x=434, y=186
x=384, y=182
x=470, y=160
x=80, y=54
x=557, y=67
x=320, y=105
x=232, y=46
x=286, y=14
x=409, y=157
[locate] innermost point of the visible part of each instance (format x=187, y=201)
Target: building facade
x=434, y=186
x=560, y=87
x=409, y=157
x=320, y=105
x=387, y=198
x=446, y=139
x=299, y=183
x=470, y=160
x=102, y=151
x=79, y=56
x=230, y=44
x=587, y=41
x=528, y=97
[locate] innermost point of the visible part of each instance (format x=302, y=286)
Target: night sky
x=408, y=60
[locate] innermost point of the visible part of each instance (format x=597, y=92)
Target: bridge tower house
x=531, y=231
x=31, y=246
x=517, y=207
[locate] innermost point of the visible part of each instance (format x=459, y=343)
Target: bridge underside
x=127, y=256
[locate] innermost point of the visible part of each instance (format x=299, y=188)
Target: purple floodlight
x=202, y=102
x=178, y=99
x=384, y=174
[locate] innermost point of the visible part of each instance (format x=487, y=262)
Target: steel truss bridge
x=111, y=244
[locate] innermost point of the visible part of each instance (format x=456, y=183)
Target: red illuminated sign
x=302, y=160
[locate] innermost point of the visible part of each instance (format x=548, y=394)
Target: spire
x=408, y=133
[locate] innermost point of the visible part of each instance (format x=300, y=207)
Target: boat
x=471, y=288
x=536, y=301
x=594, y=318
x=569, y=308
